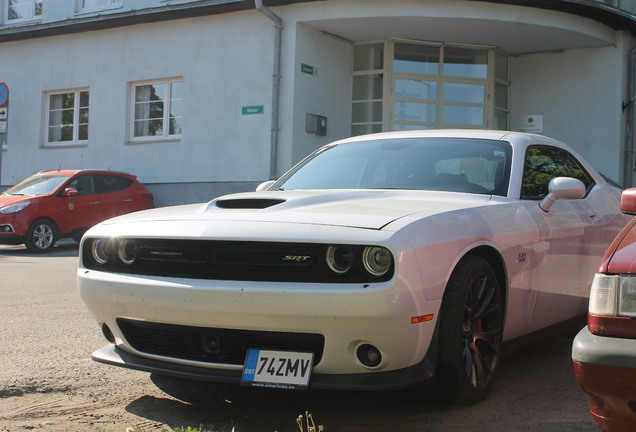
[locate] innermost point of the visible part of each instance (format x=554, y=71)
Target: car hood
x=7, y=200
x=369, y=209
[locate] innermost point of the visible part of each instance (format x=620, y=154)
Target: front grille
x=213, y=345
x=233, y=260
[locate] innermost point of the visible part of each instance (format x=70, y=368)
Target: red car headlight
x=14, y=208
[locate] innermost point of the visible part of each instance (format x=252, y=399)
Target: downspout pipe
x=629, y=165
x=278, y=30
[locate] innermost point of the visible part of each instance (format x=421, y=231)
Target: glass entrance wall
x=401, y=85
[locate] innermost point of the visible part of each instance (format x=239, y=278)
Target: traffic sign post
x=4, y=94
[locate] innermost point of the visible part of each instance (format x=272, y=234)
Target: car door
x=570, y=237
x=82, y=210
x=115, y=195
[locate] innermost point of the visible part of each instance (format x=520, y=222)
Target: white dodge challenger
x=378, y=262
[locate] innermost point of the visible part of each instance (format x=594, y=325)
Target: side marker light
x=422, y=318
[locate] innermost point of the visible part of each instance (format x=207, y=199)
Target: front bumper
x=391, y=380
x=605, y=368
x=11, y=239
x=345, y=315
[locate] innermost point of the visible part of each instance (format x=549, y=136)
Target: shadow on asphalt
x=533, y=384
x=63, y=248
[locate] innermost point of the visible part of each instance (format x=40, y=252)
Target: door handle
x=95, y=202
x=128, y=200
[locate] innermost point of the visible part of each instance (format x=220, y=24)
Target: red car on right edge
x=604, y=352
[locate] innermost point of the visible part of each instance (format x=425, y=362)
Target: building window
x=368, y=88
x=157, y=110
x=67, y=117
x=400, y=85
x=23, y=10
x=95, y=5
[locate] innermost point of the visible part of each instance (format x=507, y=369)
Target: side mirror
x=265, y=185
x=69, y=192
x=628, y=201
x=562, y=188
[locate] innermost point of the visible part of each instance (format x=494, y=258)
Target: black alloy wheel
x=470, y=333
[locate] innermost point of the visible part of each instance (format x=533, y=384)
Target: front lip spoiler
x=391, y=380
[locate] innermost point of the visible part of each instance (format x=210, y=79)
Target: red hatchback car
x=604, y=352
x=55, y=204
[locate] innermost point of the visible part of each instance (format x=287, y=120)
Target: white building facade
x=203, y=98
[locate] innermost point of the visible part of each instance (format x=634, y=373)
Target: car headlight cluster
x=375, y=260
x=104, y=250
x=14, y=208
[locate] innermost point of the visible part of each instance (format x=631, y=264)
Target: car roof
x=71, y=172
x=451, y=133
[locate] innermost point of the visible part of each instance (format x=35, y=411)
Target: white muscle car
x=378, y=262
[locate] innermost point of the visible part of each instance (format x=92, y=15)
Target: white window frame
x=166, y=98
x=76, y=110
x=83, y=7
x=30, y=17
x=390, y=76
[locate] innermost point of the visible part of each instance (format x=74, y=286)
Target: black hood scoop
x=248, y=203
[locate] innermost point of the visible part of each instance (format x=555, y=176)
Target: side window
x=22, y=10
x=85, y=185
x=110, y=183
x=544, y=163
x=67, y=117
x=157, y=110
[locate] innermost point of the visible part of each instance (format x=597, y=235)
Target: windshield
x=441, y=164
x=38, y=185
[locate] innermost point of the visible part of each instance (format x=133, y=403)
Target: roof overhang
x=512, y=36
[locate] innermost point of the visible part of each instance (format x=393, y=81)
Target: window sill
x=22, y=23
x=154, y=141
x=51, y=146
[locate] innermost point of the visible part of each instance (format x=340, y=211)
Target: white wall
x=579, y=93
x=225, y=62
x=327, y=94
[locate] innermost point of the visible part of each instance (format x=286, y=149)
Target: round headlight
x=101, y=250
x=127, y=251
x=339, y=258
x=376, y=260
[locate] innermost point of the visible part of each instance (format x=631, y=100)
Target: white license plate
x=278, y=369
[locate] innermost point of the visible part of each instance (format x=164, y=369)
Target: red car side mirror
x=69, y=192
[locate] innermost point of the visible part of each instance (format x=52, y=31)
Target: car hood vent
x=248, y=203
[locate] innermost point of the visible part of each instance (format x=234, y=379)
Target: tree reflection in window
x=544, y=163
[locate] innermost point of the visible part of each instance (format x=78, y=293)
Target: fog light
x=369, y=355
x=110, y=337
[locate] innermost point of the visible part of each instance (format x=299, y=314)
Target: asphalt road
x=48, y=382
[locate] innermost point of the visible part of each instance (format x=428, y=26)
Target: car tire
x=470, y=333
x=41, y=236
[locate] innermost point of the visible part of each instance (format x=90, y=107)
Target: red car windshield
x=38, y=185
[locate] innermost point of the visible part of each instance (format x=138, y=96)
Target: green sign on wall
x=254, y=109
x=308, y=69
